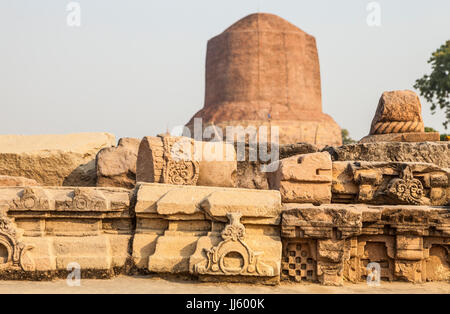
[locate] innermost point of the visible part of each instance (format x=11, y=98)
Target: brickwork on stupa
x=264, y=70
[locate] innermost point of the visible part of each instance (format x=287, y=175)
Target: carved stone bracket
x=13, y=253
x=233, y=245
x=406, y=189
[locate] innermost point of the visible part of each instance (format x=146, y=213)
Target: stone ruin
x=324, y=215
x=399, y=118
x=264, y=71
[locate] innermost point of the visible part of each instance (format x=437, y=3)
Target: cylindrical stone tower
x=265, y=71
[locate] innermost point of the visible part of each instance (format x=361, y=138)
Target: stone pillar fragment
x=183, y=161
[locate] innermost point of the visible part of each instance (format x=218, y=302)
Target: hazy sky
x=136, y=67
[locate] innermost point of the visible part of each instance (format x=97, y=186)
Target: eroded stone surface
x=435, y=153
x=53, y=160
x=116, y=166
x=408, y=242
x=398, y=112
x=303, y=178
x=250, y=172
x=390, y=183
x=167, y=159
x=264, y=71
x=16, y=181
x=399, y=118
x=417, y=137
x=183, y=161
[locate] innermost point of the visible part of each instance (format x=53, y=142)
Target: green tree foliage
x=436, y=86
x=346, y=139
x=444, y=137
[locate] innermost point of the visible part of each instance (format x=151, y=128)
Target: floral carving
x=179, y=167
x=184, y=172
x=406, y=188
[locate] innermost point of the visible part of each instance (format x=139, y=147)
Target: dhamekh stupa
x=264, y=70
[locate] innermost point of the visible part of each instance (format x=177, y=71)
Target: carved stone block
x=183, y=161
x=390, y=183
x=299, y=262
x=208, y=232
x=406, y=242
x=303, y=178
x=14, y=254
x=88, y=226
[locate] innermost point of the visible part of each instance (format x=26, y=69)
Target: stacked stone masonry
x=231, y=234
x=333, y=243
x=50, y=228
x=208, y=232
x=329, y=216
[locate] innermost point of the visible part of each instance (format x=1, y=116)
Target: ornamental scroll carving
x=14, y=252
x=233, y=246
x=406, y=188
x=179, y=167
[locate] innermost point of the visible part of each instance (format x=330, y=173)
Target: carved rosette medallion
x=233, y=245
x=183, y=172
x=14, y=252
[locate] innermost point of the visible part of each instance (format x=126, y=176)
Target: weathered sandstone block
x=16, y=181
x=183, y=161
x=249, y=172
x=434, y=153
x=330, y=243
x=390, y=183
x=53, y=160
x=264, y=71
x=88, y=226
x=402, y=137
x=398, y=106
x=399, y=113
x=290, y=150
x=208, y=232
x=116, y=166
x=303, y=178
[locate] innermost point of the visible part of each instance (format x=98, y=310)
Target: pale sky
x=136, y=67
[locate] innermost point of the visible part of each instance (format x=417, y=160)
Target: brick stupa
x=264, y=70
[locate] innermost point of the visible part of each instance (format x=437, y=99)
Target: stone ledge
x=416, y=137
